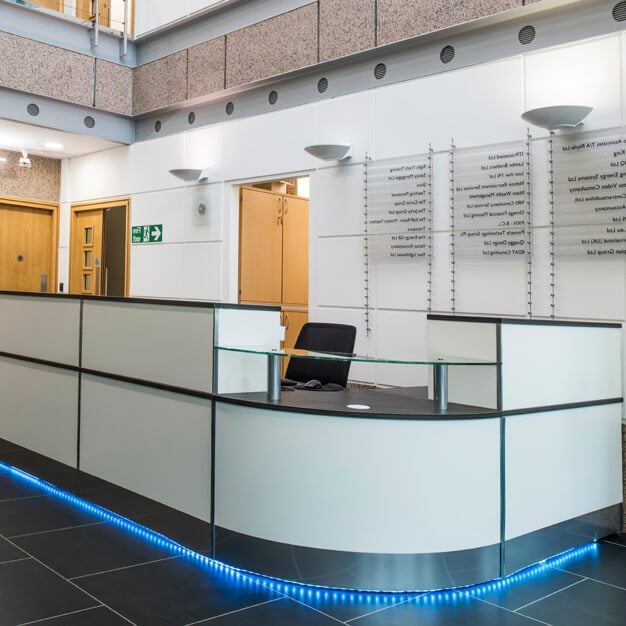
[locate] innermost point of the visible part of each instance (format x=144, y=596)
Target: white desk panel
x=40, y=327
x=561, y=465
x=361, y=485
x=157, y=342
x=551, y=364
x=152, y=442
x=39, y=408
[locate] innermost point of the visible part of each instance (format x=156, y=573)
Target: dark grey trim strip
x=37, y=361
x=511, y=320
x=547, y=542
x=356, y=570
x=153, y=301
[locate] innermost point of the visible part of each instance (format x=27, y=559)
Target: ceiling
x=15, y=136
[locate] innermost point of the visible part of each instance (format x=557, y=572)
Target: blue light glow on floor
x=302, y=591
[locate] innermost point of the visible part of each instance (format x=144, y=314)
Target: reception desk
x=525, y=461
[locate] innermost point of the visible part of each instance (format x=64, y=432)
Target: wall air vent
x=322, y=85
x=526, y=35
x=158, y=126
x=273, y=97
x=619, y=12
x=32, y=109
x=447, y=54
x=89, y=122
x=380, y=70
x=191, y=118
x=230, y=107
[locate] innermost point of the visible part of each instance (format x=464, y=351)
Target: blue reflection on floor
x=308, y=593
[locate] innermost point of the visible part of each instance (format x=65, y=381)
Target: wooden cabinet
x=273, y=248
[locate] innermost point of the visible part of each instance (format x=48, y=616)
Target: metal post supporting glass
x=273, y=377
x=440, y=371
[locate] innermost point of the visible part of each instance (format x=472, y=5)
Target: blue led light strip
x=303, y=591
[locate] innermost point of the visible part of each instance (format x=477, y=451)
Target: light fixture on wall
x=190, y=175
x=23, y=161
x=559, y=117
x=330, y=151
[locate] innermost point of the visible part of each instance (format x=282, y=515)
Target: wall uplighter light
x=559, y=117
x=190, y=175
x=330, y=151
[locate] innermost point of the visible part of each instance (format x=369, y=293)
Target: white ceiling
x=15, y=136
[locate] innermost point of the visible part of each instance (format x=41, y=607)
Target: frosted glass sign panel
x=398, y=209
x=490, y=201
x=589, y=195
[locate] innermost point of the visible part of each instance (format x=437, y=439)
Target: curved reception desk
x=370, y=489
x=523, y=464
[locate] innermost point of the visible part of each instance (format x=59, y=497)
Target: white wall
x=476, y=106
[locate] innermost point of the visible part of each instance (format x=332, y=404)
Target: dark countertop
x=394, y=403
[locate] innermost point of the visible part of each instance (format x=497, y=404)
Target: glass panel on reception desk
x=439, y=367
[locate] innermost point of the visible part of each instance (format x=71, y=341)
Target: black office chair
x=322, y=337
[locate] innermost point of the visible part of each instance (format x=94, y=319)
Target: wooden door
x=86, y=252
x=85, y=10
x=295, y=250
x=27, y=248
x=55, y=5
x=293, y=320
x=260, y=246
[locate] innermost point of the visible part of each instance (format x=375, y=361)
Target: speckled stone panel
x=160, y=83
x=346, y=27
x=400, y=19
x=42, y=181
x=206, y=67
x=114, y=87
x=275, y=46
x=45, y=70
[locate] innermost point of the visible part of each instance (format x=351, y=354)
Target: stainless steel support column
x=273, y=377
x=440, y=371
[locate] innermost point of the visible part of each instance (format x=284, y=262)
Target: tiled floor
x=61, y=564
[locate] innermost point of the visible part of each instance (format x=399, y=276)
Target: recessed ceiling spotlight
x=53, y=145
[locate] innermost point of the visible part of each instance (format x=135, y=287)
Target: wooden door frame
x=92, y=205
x=53, y=207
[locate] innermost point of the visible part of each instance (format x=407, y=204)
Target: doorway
x=99, y=249
x=28, y=246
x=274, y=249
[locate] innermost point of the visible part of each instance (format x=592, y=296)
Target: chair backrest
x=323, y=337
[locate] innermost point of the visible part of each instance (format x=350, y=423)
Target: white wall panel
x=339, y=272
x=151, y=442
x=64, y=225
x=151, y=160
x=101, y=175
x=585, y=73
x=207, y=227
x=336, y=205
x=442, y=273
x=497, y=287
x=359, y=507
x=156, y=270
x=63, y=270
x=270, y=144
x=202, y=272
x=560, y=465
x=474, y=106
x=204, y=150
x=171, y=208
x=347, y=120
x=401, y=335
x=588, y=289
x=39, y=409
x=400, y=285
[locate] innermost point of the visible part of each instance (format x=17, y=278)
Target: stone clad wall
x=41, y=182
x=320, y=31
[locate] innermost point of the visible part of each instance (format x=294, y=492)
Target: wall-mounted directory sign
x=491, y=201
x=589, y=195
x=399, y=209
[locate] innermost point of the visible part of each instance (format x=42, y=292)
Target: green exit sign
x=151, y=233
